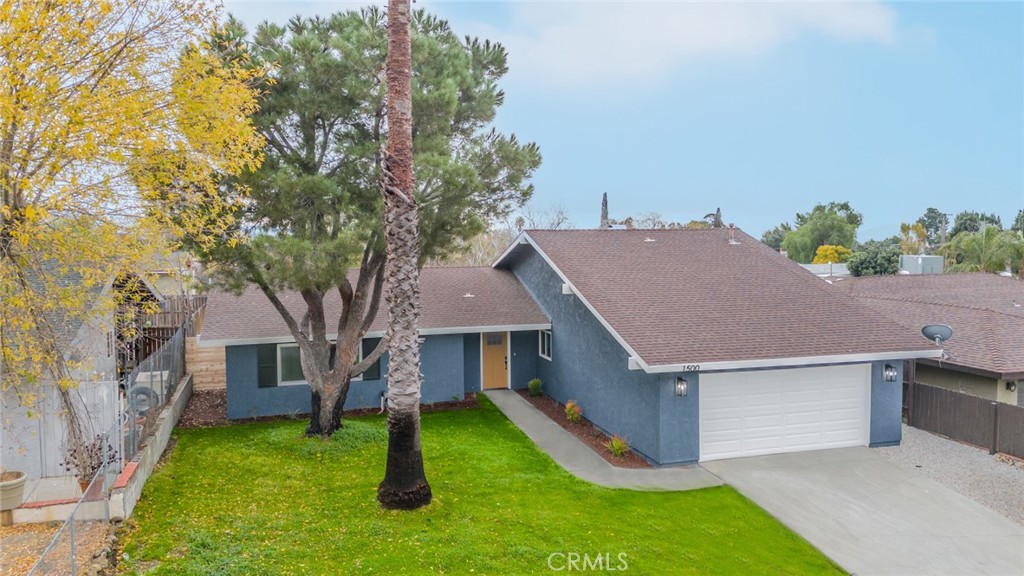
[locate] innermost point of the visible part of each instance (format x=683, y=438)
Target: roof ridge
x=931, y=303
x=992, y=343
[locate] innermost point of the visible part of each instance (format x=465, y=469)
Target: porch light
x=1011, y=386
x=681, y=386
x=890, y=373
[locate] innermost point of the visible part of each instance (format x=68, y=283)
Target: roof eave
x=636, y=363
x=946, y=364
x=212, y=343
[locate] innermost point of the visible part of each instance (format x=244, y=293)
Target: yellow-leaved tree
x=831, y=254
x=114, y=116
x=913, y=238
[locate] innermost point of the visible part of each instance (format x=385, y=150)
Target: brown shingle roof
x=498, y=299
x=986, y=313
x=689, y=296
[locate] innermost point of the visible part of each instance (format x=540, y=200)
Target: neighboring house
x=104, y=348
x=175, y=274
x=32, y=431
x=985, y=356
x=690, y=344
x=479, y=328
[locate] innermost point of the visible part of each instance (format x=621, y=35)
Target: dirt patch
x=207, y=408
x=584, y=430
x=22, y=545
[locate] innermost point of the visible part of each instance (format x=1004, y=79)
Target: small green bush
x=617, y=445
x=573, y=411
x=534, y=386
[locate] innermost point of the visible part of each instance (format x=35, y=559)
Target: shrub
x=617, y=445
x=874, y=261
x=573, y=411
x=534, y=386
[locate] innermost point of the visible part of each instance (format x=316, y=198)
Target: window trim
x=540, y=344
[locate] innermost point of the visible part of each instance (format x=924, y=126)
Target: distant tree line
x=975, y=242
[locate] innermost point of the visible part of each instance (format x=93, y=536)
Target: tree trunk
x=325, y=418
x=405, y=484
x=328, y=403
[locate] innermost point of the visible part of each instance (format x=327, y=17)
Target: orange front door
x=495, y=359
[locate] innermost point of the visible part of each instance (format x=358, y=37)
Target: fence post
x=103, y=471
x=71, y=533
x=912, y=377
x=995, y=427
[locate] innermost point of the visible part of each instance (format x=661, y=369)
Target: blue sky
x=761, y=109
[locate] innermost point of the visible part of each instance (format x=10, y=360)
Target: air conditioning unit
x=921, y=264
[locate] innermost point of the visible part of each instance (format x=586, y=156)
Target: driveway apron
x=874, y=518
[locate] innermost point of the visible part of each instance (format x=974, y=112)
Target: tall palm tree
x=987, y=250
x=405, y=484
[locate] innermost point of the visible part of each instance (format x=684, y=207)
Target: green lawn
x=261, y=499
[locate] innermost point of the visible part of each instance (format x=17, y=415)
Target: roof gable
x=682, y=297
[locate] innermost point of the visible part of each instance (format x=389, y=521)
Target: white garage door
x=774, y=411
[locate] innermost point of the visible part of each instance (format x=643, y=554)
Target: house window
x=289, y=367
x=545, y=344
x=366, y=348
x=280, y=364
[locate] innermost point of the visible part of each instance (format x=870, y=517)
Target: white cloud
x=589, y=44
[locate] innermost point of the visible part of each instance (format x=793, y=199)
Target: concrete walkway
x=580, y=461
x=875, y=518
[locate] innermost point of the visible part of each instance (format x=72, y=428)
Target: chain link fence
x=147, y=388
x=82, y=539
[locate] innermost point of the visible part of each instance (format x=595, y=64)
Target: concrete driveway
x=873, y=518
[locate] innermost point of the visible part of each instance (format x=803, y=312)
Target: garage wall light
x=890, y=373
x=1011, y=386
x=681, y=386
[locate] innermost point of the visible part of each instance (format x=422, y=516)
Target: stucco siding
x=471, y=361
x=679, y=422
x=980, y=386
x=441, y=364
x=589, y=366
x=524, y=358
x=247, y=400
x=886, y=406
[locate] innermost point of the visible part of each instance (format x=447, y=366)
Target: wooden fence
x=206, y=365
x=993, y=425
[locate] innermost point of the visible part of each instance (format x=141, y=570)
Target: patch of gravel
x=972, y=472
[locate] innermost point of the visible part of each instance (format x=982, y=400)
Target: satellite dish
x=937, y=333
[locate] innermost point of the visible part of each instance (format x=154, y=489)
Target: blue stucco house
x=479, y=326
x=692, y=344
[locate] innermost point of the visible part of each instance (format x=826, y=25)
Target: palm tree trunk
x=405, y=484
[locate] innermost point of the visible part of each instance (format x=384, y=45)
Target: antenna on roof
x=939, y=333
